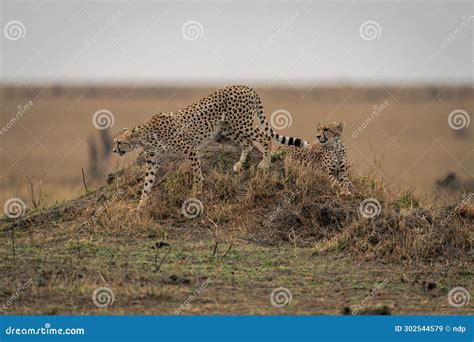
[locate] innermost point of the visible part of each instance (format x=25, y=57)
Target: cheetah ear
x=340, y=126
x=125, y=129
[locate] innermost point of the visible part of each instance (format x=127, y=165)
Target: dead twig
x=158, y=246
x=36, y=191
x=12, y=236
x=215, y=249
x=84, y=180
x=216, y=239
x=227, y=251
x=215, y=253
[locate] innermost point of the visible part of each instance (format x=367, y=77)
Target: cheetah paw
x=137, y=210
x=196, y=191
x=263, y=165
x=238, y=167
x=347, y=194
x=140, y=205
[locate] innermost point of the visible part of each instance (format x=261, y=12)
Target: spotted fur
x=327, y=153
x=229, y=112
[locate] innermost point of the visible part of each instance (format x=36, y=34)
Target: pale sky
x=277, y=42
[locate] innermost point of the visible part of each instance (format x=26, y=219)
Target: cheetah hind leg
x=265, y=141
x=229, y=133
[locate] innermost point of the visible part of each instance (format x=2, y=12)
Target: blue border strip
x=240, y=328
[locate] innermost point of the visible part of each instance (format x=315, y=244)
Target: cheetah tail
x=269, y=131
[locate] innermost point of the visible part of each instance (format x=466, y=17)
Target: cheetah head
x=126, y=141
x=329, y=131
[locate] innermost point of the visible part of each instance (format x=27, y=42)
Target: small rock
x=346, y=311
x=404, y=278
x=111, y=178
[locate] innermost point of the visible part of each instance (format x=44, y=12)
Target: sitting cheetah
x=328, y=153
x=229, y=112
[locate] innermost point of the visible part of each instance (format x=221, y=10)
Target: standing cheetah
x=229, y=112
x=327, y=153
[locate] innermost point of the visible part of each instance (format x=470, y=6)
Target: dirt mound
x=289, y=204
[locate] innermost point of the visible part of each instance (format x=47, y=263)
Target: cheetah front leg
x=345, y=184
x=337, y=183
x=150, y=177
x=333, y=180
x=193, y=157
